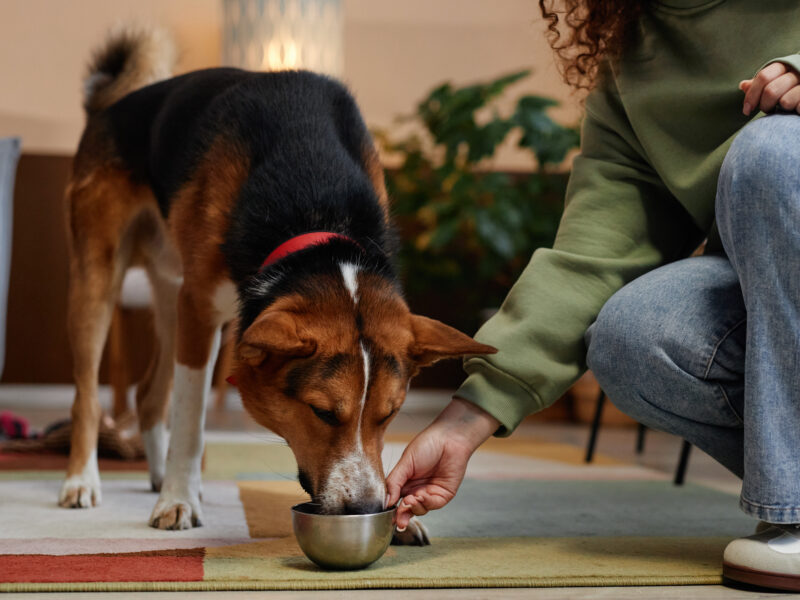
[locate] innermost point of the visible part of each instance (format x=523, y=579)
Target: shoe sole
x=767, y=579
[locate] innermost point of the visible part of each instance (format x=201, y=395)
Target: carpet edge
x=377, y=583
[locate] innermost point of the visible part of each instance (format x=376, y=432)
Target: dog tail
x=130, y=58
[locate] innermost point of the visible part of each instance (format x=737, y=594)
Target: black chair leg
x=640, y=438
x=680, y=473
x=598, y=415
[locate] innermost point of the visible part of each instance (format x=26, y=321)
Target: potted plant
x=468, y=231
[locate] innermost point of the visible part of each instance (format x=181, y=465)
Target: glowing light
x=284, y=34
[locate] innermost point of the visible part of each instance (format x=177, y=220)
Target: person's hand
x=776, y=84
x=433, y=465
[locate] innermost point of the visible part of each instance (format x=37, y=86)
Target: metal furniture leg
x=598, y=415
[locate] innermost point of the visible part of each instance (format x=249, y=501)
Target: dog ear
x=434, y=341
x=274, y=332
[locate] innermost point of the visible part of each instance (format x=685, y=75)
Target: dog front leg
x=415, y=534
x=178, y=506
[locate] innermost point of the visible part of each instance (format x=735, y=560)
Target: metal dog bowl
x=342, y=541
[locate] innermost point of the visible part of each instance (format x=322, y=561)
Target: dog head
x=328, y=367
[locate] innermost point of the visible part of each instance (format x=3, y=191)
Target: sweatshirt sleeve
x=619, y=222
x=792, y=60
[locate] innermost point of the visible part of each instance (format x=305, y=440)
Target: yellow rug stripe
x=483, y=562
x=458, y=562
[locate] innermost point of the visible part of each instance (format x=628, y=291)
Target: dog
x=250, y=196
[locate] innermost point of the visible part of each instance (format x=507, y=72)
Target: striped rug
x=529, y=514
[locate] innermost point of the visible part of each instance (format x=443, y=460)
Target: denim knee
x=616, y=347
x=761, y=162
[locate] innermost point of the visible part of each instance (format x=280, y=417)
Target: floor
x=45, y=405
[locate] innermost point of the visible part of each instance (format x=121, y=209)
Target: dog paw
x=415, y=534
x=79, y=492
x=177, y=512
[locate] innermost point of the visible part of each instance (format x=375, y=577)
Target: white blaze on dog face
x=354, y=483
x=328, y=367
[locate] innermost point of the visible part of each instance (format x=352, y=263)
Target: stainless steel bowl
x=342, y=541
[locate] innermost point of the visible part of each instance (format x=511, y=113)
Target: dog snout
x=353, y=486
x=362, y=507
x=352, y=501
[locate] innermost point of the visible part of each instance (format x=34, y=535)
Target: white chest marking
x=349, y=271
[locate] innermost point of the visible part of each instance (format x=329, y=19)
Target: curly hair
x=597, y=29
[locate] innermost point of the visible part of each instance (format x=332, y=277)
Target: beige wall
x=44, y=47
x=394, y=52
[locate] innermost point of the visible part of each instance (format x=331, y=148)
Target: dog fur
x=198, y=178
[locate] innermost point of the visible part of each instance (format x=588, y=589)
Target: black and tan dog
x=256, y=196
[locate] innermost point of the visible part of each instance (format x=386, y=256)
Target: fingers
x=401, y=473
x=420, y=502
x=776, y=89
x=791, y=100
x=765, y=76
x=409, y=506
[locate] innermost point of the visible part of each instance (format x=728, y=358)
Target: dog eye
x=387, y=417
x=326, y=416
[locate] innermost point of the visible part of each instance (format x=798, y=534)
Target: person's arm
x=429, y=472
x=619, y=222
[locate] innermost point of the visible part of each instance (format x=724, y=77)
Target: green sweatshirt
x=641, y=193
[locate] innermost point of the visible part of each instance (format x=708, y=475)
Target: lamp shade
x=271, y=35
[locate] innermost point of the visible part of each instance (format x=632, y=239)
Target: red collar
x=301, y=242
x=296, y=244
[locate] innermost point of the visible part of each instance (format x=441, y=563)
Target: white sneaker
x=770, y=558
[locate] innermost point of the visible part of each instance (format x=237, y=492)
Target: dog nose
x=362, y=507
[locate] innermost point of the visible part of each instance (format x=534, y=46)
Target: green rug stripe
x=365, y=584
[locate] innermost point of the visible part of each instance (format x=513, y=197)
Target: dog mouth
x=345, y=504
x=346, y=499
x=362, y=507
x=305, y=483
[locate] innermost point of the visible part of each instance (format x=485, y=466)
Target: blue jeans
x=708, y=348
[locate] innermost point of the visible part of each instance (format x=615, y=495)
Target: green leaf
x=549, y=140
x=443, y=234
x=464, y=230
x=494, y=235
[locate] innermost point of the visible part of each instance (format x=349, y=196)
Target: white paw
x=155, y=448
x=76, y=493
x=416, y=534
x=82, y=490
x=177, y=511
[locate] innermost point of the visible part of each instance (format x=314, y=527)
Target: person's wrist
x=467, y=423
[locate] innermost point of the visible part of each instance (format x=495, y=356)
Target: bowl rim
x=296, y=510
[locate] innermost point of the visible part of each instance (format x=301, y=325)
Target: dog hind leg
x=97, y=262
x=152, y=394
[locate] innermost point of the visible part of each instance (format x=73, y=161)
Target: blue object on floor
x=9, y=155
